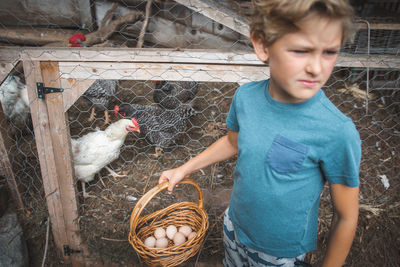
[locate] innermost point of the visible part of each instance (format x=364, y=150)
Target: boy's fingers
x=170, y=187
x=163, y=179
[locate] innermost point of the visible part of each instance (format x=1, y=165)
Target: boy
x=289, y=139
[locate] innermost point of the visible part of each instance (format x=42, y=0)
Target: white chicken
x=97, y=149
x=14, y=100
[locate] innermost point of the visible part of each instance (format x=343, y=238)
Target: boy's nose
x=314, y=65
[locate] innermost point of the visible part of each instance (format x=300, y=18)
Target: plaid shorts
x=238, y=255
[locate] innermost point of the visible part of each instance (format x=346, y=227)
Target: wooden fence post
x=53, y=144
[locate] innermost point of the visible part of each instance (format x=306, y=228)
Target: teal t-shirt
x=286, y=152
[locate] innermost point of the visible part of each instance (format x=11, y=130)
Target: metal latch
x=45, y=90
x=68, y=251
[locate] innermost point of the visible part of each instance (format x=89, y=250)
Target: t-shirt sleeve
x=231, y=119
x=341, y=162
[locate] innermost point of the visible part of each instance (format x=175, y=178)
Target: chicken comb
x=78, y=36
x=116, y=109
x=134, y=121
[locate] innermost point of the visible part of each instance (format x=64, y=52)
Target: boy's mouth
x=308, y=83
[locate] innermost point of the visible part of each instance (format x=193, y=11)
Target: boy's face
x=301, y=62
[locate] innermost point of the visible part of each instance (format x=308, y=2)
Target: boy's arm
x=344, y=224
x=224, y=148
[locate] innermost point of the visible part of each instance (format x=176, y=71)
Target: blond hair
x=274, y=18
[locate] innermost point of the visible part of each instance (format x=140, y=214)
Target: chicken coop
x=68, y=69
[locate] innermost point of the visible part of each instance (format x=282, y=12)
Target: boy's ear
x=260, y=50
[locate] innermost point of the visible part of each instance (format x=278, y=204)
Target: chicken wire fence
x=367, y=92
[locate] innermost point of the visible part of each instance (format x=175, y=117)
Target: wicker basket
x=183, y=213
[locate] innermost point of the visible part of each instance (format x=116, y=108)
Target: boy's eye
x=300, y=51
x=331, y=52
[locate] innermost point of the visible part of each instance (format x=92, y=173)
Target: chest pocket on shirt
x=285, y=155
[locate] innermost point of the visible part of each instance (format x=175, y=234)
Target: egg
x=179, y=238
x=150, y=241
x=159, y=232
x=185, y=230
x=171, y=231
x=162, y=242
x=192, y=235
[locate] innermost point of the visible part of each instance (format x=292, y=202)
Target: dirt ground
x=104, y=219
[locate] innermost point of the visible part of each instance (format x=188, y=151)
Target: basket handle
x=154, y=191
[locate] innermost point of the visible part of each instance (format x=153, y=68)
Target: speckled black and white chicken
x=170, y=95
x=100, y=94
x=15, y=102
x=161, y=127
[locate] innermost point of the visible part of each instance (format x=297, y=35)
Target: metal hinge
x=45, y=90
x=68, y=251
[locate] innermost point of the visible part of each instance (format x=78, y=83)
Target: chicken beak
x=133, y=129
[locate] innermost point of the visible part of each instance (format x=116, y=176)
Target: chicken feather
x=100, y=94
x=161, y=127
x=171, y=95
x=15, y=102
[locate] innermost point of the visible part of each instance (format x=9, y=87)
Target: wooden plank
x=8, y=60
x=218, y=13
x=60, y=137
x=166, y=55
x=73, y=89
x=379, y=26
x=46, y=155
x=162, y=71
x=368, y=61
x=5, y=68
x=5, y=163
x=25, y=36
x=193, y=56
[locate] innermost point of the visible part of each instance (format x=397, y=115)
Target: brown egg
x=159, y=232
x=179, y=238
x=171, y=230
x=150, y=242
x=191, y=235
x=185, y=230
x=162, y=242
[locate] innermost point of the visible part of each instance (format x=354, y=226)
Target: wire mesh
x=369, y=95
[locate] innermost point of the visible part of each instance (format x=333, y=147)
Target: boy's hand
x=173, y=176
